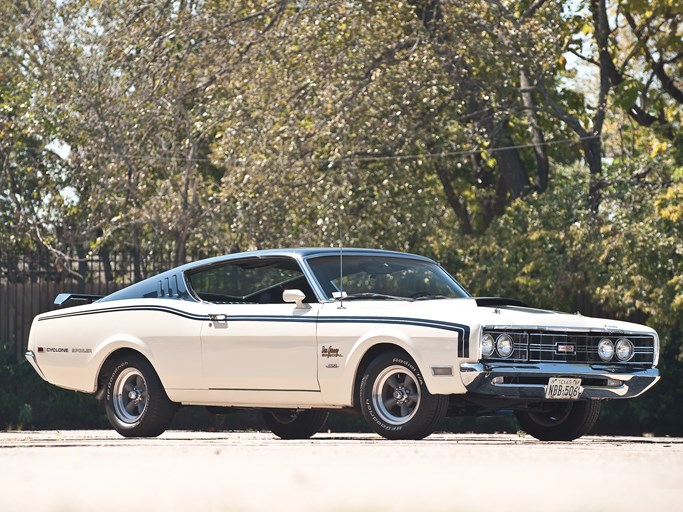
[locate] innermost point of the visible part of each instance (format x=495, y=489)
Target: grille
x=571, y=347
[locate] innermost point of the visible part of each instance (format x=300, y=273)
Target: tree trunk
x=511, y=167
x=82, y=268
x=592, y=152
x=181, y=248
x=454, y=201
x=137, y=266
x=105, y=258
x=537, y=139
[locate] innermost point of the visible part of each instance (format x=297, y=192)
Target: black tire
x=289, y=424
x=395, y=401
x=149, y=412
x=561, y=421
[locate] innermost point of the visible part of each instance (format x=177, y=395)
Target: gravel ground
x=65, y=471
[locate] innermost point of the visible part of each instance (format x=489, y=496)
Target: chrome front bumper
x=31, y=358
x=529, y=381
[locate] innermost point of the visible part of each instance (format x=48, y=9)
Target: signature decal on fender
x=330, y=352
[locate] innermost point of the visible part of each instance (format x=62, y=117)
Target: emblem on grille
x=565, y=349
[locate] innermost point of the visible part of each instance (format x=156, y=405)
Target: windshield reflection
x=383, y=278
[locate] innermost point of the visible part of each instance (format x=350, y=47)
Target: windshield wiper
x=374, y=296
x=432, y=297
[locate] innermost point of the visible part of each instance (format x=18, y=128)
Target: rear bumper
x=31, y=358
x=529, y=381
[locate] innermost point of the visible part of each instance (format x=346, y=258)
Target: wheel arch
x=412, y=418
x=109, y=363
x=370, y=354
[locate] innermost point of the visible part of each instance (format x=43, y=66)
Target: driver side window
x=250, y=281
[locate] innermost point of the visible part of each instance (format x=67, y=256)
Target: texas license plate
x=563, y=389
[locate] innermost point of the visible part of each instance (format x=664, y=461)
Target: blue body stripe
x=163, y=309
x=462, y=330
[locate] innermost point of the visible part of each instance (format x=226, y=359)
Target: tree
x=31, y=181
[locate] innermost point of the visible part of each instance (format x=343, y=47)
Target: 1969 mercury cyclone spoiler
x=298, y=333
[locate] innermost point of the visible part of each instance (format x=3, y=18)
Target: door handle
x=218, y=317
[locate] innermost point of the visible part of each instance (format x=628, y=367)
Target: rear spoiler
x=63, y=298
x=492, y=302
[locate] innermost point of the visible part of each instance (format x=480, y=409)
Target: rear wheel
x=135, y=400
x=561, y=421
x=291, y=424
x=395, y=401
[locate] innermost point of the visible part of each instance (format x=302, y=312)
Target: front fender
x=429, y=350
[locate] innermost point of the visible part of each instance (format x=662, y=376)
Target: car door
x=252, y=339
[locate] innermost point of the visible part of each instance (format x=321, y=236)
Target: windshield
x=383, y=277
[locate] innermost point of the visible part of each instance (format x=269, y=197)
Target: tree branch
x=531, y=10
x=668, y=83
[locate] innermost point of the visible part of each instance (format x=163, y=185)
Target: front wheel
x=561, y=421
x=290, y=424
x=395, y=401
x=135, y=400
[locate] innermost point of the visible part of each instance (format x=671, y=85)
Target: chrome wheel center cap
x=134, y=394
x=401, y=395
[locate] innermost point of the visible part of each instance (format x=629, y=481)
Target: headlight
x=605, y=349
x=624, y=349
x=486, y=345
x=504, y=345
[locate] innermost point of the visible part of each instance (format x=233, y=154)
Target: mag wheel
x=135, y=401
x=561, y=421
x=395, y=401
x=289, y=424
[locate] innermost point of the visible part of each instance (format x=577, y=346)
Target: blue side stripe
x=461, y=329
x=162, y=309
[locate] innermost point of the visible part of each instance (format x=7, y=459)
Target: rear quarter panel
x=72, y=344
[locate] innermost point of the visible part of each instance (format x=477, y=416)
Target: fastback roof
x=150, y=287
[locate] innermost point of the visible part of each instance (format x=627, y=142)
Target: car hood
x=524, y=317
x=466, y=311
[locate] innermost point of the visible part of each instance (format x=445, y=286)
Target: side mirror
x=295, y=296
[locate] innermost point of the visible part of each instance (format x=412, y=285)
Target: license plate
x=563, y=389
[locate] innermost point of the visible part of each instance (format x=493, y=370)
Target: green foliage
x=202, y=127
x=625, y=262
x=29, y=174
x=551, y=251
x=28, y=402
x=535, y=251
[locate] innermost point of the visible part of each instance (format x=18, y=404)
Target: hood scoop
x=494, y=302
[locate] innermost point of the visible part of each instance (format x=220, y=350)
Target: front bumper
x=529, y=381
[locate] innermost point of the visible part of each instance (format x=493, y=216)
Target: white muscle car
x=301, y=332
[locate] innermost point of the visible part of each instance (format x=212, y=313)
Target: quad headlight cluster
x=622, y=349
x=566, y=347
x=502, y=345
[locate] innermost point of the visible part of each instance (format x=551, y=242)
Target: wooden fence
x=29, y=285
